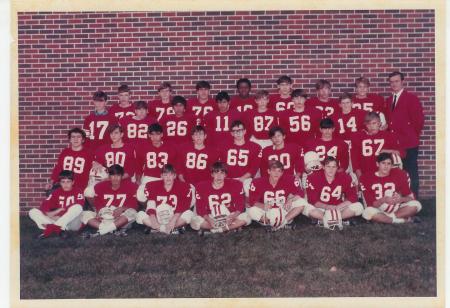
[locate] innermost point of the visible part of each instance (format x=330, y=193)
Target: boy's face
x=278, y=139
x=324, y=92
x=330, y=169
x=299, y=102
x=346, y=105
x=275, y=173
x=165, y=94
x=179, y=109
x=203, y=94
x=218, y=176
x=327, y=133
x=238, y=132
x=199, y=137
x=124, y=98
x=115, y=179
x=285, y=88
x=223, y=105
x=262, y=102
x=99, y=105
x=168, y=177
x=76, y=140
x=140, y=113
x=155, y=137
x=373, y=126
x=116, y=135
x=243, y=89
x=384, y=167
x=362, y=89
x=66, y=184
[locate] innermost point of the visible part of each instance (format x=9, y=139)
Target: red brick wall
x=65, y=57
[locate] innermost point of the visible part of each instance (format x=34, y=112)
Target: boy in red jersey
x=115, y=204
x=219, y=203
x=196, y=158
x=124, y=107
x=328, y=145
x=368, y=102
x=241, y=156
x=217, y=122
x=62, y=209
x=282, y=100
x=167, y=204
x=349, y=120
x=243, y=101
x=178, y=125
x=387, y=194
x=260, y=120
x=151, y=157
x=332, y=196
x=96, y=124
x=277, y=199
x=300, y=123
x=135, y=127
x=368, y=144
x=288, y=154
x=162, y=106
x=323, y=101
x=202, y=104
x=75, y=158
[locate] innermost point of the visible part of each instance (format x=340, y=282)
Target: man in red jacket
x=406, y=118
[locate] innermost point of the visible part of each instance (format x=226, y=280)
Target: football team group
x=219, y=164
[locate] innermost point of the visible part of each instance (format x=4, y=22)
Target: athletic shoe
x=121, y=232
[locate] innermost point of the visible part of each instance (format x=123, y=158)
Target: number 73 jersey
x=124, y=196
x=318, y=189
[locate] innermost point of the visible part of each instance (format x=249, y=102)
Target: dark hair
x=116, y=170
x=362, y=80
x=178, y=100
x=197, y=129
x=123, y=88
x=168, y=168
x=99, y=96
x=155, y=128
x=299, y=93
x=140, y=105
x=326, y=123
x=202, y=85
x=66, y=174
x=345, y=95
x=284, y=78
x=76, y=130
x=236, y=123
x=113, y=127
x=395, y=73
x=275, y=129
x=372, y=115
x=329, y=159
x=165, y=85
x=222, y=95
x=219, y=166
x=384, y=156
x=243, y=80
x=260, y=94
x=275, y=164
x=321, y=83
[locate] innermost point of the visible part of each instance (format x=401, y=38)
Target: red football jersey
x=158, y=109
x=336, y=148
x=334, y=193
x=124, y=156
x=365, y=149
x=241, y=159
x=301, y=126
x=62, y=199
x=289, y=156
x=125, y=196
x=120, y=112
x=258, y=124
x=80, y=162
x=374, y=186
x=136, y=131
x=96, y=129
x=179, y=197
x=347, y=125
x=242, y=104
x=177, y=130
x=150, y=159
x=329, y=107
x=209, y=199
x=218, y=124
x=195, y=164
x=262, y=191
x=278, y=103
x=200, y=110
x=372, y=102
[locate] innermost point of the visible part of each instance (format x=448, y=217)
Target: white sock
x=106, y=227
x=396, y=220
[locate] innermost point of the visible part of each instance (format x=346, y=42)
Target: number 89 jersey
x=320, y=190
x=80, y=162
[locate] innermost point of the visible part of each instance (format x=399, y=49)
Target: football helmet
x=164, y=213
x=332, y=219
x=397, y=161
x=106, y=213
x=312, y=162
x=220, y=217
x=276, y=217
x=96, y=176
x=389, y=209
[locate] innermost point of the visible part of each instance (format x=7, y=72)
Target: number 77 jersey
x=365, y=148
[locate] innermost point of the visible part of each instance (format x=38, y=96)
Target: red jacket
x=406, y=119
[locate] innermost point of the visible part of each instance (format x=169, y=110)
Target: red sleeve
x=416, y=115
x=254, y=193
x=148, y=191
x=57, y=169
x=50, y=203
x=255, y=159
x=403, y=179
x=184, y=198
x=312, y=190
x=238, y=196
x=295, y=188
x=368, y=193
x=131, y=201
x=351, y=193
x=343, y=155
x=201, y=202
x=355, y=152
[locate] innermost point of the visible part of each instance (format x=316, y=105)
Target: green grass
x=371, y=260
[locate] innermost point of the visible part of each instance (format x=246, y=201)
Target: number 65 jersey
x=124, y=196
